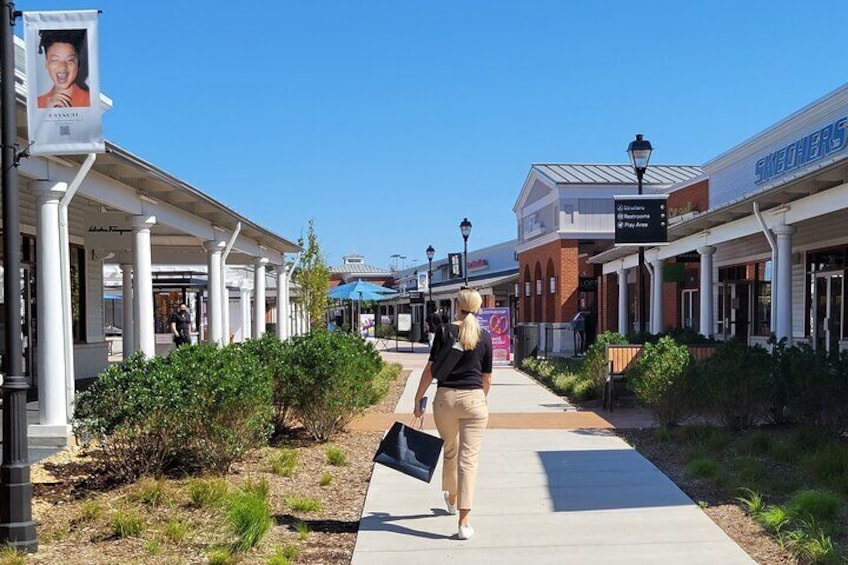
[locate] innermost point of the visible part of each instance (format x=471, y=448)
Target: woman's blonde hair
x=469, y=303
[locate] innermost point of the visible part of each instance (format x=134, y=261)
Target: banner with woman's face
x=64, y=115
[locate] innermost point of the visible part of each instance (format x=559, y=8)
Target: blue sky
x=388, y=122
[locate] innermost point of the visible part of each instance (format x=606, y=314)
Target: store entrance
x=734, y=309
x=827, y=312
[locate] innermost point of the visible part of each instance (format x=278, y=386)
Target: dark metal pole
x=465, y=260
x=641, y=279
x=430, y=283
x=16, y=526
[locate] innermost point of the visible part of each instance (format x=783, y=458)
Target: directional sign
x=641, y=219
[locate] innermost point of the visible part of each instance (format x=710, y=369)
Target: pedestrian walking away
x=460, y=407
x=181, y=325
x=434, y=320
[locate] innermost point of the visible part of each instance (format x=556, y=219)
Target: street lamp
x=465, y=228
x=640, y=153
x=430, y=253
x=17, y=527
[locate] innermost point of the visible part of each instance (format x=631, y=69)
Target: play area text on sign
x=641, y=219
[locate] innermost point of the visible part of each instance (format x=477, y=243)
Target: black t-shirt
x=468, y=373
x=183, y=322
x=433, y=322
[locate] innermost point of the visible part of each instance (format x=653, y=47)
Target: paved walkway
x=572, y=494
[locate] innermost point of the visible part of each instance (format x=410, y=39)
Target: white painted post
x=127, y=299
x=706, y=290
x=143, y=288
x=623, y=328
x=214, y=248
x=657, y=299
x=783, y=304
x=259, y=296
x=51, y=347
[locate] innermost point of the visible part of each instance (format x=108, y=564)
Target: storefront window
x=77, y=264
x=762, y=312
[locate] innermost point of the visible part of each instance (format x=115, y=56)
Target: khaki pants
x=461, y=417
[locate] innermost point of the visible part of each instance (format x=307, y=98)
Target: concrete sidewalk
x=578, y=495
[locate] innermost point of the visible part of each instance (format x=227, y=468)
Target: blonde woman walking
x=460, y=408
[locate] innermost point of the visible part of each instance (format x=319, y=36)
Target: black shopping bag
x=410, y=451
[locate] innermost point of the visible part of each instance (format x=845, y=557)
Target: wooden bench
x=621, y=358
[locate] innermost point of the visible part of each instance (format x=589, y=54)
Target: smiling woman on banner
x=66, y=66
x=460, y=408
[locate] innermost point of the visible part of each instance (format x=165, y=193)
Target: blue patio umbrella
x=360, y=290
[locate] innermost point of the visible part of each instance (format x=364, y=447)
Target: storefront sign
x=455, y=265
x=587, y=284
x=688, y=257
x=416, y=297
x=808, y=149
x=641, y=219
x=64, y=116
x=478, y=265
x=496, y=321
x=404, y=322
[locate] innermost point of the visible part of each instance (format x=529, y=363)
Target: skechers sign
x=804, y=151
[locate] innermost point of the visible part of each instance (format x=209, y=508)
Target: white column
x=706, y=290
x=214, y=308
x=127, y=298
x=244, y=303
x=225, y=304
x=623, y=329
x=52, y=413
x=145, y=336
x=657, y=296
x=783, y=302
x=259, y=296
x=282, y=303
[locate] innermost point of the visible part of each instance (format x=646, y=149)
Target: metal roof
x=360, y=268
x=567, y=173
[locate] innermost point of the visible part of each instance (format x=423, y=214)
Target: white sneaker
x=465, y=532
x=451, y=507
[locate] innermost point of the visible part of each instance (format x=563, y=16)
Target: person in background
x=434, y=320
x=459, y=407
x=181, y=325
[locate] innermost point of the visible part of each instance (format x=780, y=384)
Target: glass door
x=827, y=309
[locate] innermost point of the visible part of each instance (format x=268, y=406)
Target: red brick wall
x=671, y=305
x=696, y=196
x=563, y=254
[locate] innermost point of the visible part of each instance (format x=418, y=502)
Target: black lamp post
x=430, y=253
x=16, y=525
x=640, y=153
x=465, y=228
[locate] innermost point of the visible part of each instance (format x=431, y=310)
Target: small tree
x=313, y=277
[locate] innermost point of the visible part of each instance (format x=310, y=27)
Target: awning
x=483, y=286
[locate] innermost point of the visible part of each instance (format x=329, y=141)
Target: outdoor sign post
x=496, y=321
x=404, y=322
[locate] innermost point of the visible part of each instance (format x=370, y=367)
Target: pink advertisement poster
x=496, y=322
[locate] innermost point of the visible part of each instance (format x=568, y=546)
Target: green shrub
x=336, y=456
x=10, y=555
x=326, y=479
x=774, y=518
x=304, y=504
x=661, y=382
x=583, y=390
x=302, y=529
x=176, y=531
x=732, y=385
x=811, y=544
x=829, y=466
x=752, y=501
x=205, y=493
x=152, y=546
x=220, y=556
x=565, y=384
x=332, y=375
x=91, y=510
x=249, y=515
x=284, y=555
x=284, y=462
x=703, y=468
x=595, y=366
x=151, y=492
x=200, y=408
x=750, y=470
x=813, y=386
x=816, y=504
x=269, y=355
x=530, y=365
x=127, y=524
x=759, y=443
